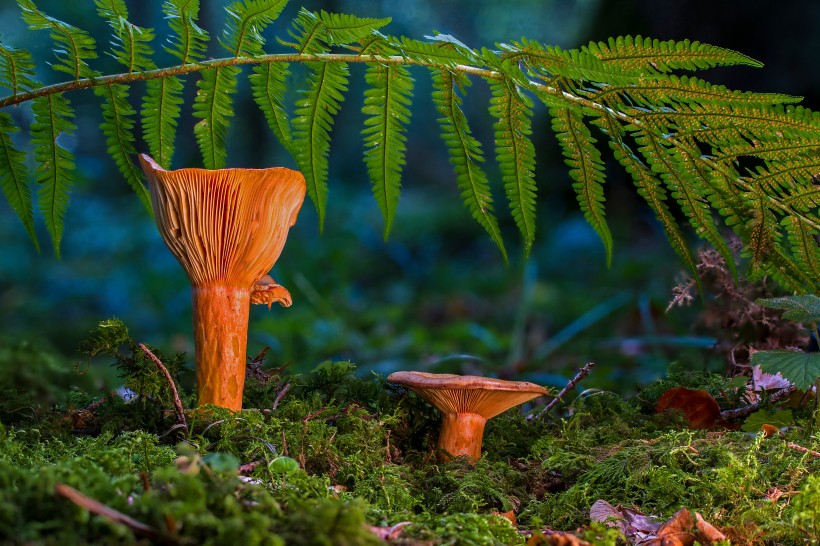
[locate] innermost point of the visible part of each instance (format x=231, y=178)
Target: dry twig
x=582, y=373
x=177, y=402
x=803, y=449
x=728, y=415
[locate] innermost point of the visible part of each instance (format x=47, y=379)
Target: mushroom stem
x=461, y=434
x=221, y=336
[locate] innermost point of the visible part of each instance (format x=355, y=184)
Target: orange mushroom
x=227, y=228
x=466, y=402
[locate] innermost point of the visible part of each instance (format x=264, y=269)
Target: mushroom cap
x=484, y=396
x=225, y=226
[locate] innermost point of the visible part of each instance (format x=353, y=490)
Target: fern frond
x=245, y=23
x=790, y=179
x=160, y=111
x=804, y=247
x=190, y=40
x=131, y=43
x=515, y=154
x=676, y=170
x=648, y=55
x=386, y=104
x=550, y=61
x=439, y=53
x=213, y=106
x=763, y=235
x=671, y=89
x=268, y=84
x=74, y=46
x=650, y=188
x=118, y=128
x=16, y=70
x=13, y=177
x=312, y=124
x=777, y=150
x=316, y=32
x=586, y=168
x=465, y=153
x=55, y=164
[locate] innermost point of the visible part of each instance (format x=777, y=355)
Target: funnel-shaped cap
x=225, y=226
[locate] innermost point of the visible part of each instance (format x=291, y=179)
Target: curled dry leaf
x=388, y=533
x=555, y=538
x=700, y=408
x=682, y=529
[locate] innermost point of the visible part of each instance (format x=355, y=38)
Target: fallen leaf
x=555, y=538
x=707, y=533
x=507, y=515
x=700, y=408
x=762, y=381
x=388, y=533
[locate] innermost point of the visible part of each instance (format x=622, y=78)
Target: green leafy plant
x=691, y=147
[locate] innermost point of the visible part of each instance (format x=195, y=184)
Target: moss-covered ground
x=332, y=458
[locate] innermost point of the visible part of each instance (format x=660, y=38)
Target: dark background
x=437, y=295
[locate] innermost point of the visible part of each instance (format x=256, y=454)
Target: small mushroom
x=466, y=402
x=227, y=228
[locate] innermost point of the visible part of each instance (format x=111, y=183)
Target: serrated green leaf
x=779, y=419
x=386, y=106
x=118, y=126
x=16, y=69
x=73, y=45
x=801, y=369
x=803, y=308
x=55, y=164
x=269, y=85
x=312, y=125
x=214, y=107
x=160, y=112
x=189, y=40
x=13, y=177
x=465, y=153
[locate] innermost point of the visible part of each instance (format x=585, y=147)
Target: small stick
x=96, y=507
x=582, y=373
x=246, y=469
x=280, y=395
x=728, y=415
x=177, y=402
x=803, y=449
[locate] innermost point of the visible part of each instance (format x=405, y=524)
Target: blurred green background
x=437, y=295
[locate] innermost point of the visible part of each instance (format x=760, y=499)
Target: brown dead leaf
x=388, y=533
x=632, y=524
x=706, y=532
x=508, y=515
x=700, y=408
x=679, y=530
x=555, y=538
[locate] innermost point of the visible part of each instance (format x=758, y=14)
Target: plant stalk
x=220, y=336
x=461, y=434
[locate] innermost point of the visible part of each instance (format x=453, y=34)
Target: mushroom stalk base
x=221, y=339
x=461, y=434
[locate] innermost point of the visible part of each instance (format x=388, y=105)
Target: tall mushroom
x=227, y=228
x=466, y=402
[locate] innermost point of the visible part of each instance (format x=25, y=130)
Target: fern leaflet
x=268, y=83
x=386, y=104
x=74, y=46
x=515, y=154
x=13, y=177
x=465, y=153
x=213, y=106
x=648, y=55
x=16, y=69
x=190, y=40
x=246, y=21
x=132, y=47
x=52, y=115
x=312, y=125
x=118, y=127
x=160, y=111
x=586, y=168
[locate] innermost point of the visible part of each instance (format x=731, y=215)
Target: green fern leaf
x=648, y=55
x=245, y=23
x=763, y=235
x=316, y=32
x=547, y=62
x=515, y=154
x=794, y=180
x=805, y=308
x=190, y=40
x=52, y=115
x=160, y=111
x=465, y=153
x=118, y=128
x=801, y=369
x=74, y=46
x=13, y=177
x=386, y=104
x=132, y=47
x=586, y=168
x=312, y=124
x=268, y=84
x=16, y=70
x=440, y=53
x=213, y=106
x=804, y=245
x=650, y=189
